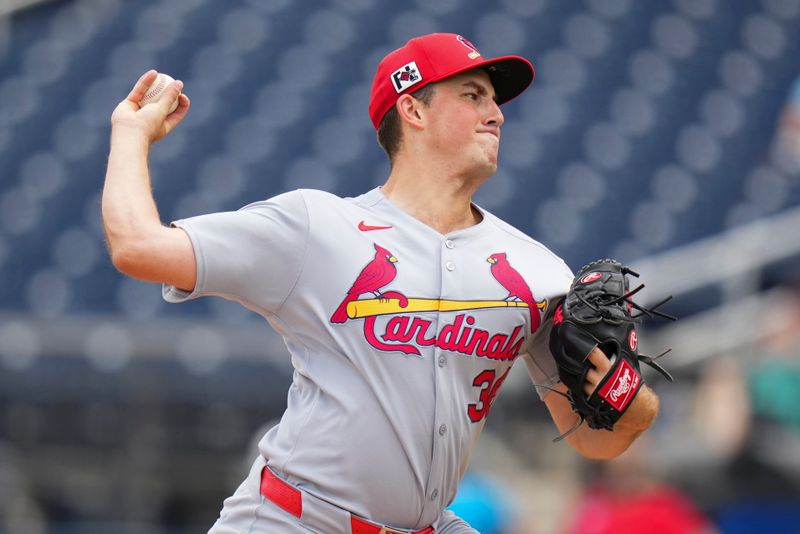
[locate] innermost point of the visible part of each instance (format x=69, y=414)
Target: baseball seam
x=154, y=92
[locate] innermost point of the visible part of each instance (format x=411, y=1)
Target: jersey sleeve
x=539, y=362
x=537, y=357
x=253, y=256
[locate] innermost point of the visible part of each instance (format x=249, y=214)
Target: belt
x=290, y=499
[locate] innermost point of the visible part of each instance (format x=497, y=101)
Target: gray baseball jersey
x=400, y=338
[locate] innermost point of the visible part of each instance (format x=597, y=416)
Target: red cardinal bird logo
x=376, y=274
x=510, y=279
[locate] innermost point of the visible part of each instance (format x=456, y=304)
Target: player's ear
x=409, y=109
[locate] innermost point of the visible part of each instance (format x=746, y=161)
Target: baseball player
x=403, y=309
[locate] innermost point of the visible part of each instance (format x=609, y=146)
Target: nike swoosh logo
x=366, y=228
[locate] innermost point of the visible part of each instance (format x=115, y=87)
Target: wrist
x=642, y=411
x=126, y=132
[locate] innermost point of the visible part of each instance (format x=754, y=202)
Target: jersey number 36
x=489, y=388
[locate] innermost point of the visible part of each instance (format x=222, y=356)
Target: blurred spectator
x=748, y=418
x=774, y=379
x=722, y=407
x=775, y=387
x=624, y=498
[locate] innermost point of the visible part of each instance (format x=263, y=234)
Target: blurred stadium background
x=664, y=133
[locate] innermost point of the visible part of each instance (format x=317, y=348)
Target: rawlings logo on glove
x=597, y=312
x=620, y=390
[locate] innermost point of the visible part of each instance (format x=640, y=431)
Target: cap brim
x=510, y=76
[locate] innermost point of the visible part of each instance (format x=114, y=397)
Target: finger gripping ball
x=156, y=89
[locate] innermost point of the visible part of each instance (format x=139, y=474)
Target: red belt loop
x=360, y=526
x=291, y=499
x=281, y=493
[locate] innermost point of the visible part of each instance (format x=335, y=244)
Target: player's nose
x=494, y=115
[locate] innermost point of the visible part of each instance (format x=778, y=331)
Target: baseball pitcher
x=403, y=309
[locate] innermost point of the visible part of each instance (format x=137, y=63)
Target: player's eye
x=471, y=96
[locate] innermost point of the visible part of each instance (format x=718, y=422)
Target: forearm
x=604, y=444
x=129, y=210
x=139, y=244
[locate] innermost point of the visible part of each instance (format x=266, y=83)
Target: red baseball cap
x=437, y=56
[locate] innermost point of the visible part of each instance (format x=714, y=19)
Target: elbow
x=602, y=454
x=120, y=249
x=124, y=258
x=132, y=258
x=131, y=253
x=152, y=258
x=603, y=444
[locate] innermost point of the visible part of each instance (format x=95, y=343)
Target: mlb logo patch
x=406, y=76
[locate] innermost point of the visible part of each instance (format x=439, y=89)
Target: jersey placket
x=440, y=364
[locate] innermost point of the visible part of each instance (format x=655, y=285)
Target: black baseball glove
x=597, y=312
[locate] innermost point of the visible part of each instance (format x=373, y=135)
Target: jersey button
x=434, y=494
x=442, y=430
x=450, y=266
x=442, y=361
x=449, y=244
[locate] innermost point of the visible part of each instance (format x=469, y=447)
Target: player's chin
x=483, y=163
x=491, y=159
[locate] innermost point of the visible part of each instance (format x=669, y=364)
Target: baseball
x=153, y=93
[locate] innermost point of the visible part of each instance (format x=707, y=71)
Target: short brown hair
x=389, y=132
